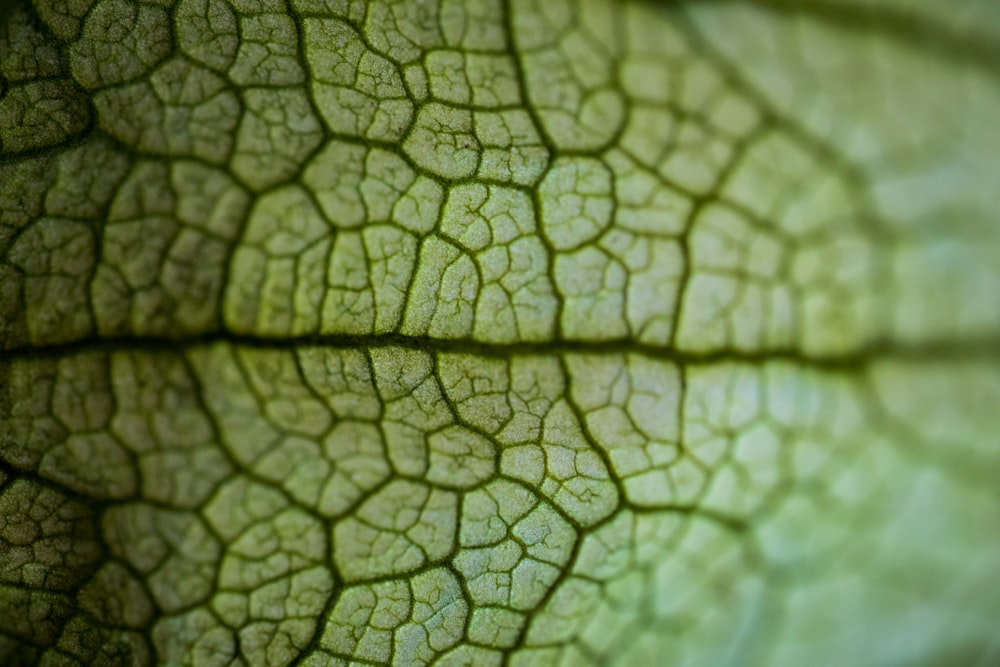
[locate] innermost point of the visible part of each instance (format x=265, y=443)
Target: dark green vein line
x=979, y=349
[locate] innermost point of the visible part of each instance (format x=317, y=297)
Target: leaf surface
x=498, y=333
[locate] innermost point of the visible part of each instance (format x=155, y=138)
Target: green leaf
x=499, y=332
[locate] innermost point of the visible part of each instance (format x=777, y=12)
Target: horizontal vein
x=983, y=348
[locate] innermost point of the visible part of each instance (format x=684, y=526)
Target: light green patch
x=182, y=548
x=418, y=209
x=495, y=626
x=644, y=204
x=403, y=30
x=208, y=31
x=335, y=176
x=277, y=133
x=177, y=94
x=443, y=294
x=498, y=226
x=629, y=407
x=569, y=76
x=263, y=281
x=477, y=390
x=400, y=528
x=368, y=277
x=364, y=618
x=358, y=92
x=478, y=79
x=157, y=418
x=576, y=200
x=591, y=285
x=459, y=457
x=512, y=149
x=268, y=52
x=194, y=636
x=437, y=620
x=475, y=24
x=470, y=332
x=441, y=141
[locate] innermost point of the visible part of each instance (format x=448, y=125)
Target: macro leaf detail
x=498, y=332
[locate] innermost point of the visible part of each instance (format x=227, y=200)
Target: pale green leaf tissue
x=499, y=332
